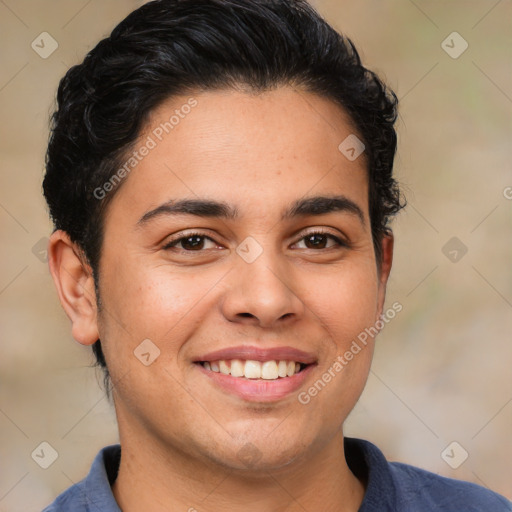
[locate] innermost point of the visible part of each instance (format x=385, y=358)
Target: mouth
x=257, y=375
x=251, y=369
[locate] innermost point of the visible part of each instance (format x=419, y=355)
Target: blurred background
x=440, y=392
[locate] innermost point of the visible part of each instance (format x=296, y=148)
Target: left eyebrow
x=309, y=206
x=321, y=205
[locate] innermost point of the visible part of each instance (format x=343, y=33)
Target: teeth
x=267, y=370
x=224, y=368
x=237, y=368
x=252, y=369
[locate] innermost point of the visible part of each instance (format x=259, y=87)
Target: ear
x=384, y=270
x=74, y=281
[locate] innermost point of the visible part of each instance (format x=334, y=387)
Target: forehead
x=251, y=150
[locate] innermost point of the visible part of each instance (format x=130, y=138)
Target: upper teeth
x=254, y=369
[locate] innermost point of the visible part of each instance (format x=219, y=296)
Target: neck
x=160, y=478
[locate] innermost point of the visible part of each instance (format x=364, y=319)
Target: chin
x=258, y=456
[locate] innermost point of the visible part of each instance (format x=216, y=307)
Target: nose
x=260, y=293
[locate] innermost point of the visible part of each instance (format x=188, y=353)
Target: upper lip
x=259, y=354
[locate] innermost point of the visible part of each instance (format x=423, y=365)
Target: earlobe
x=387, y=244
x=74, y=281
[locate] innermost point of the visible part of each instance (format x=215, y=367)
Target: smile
x=257, y=374
x=250, y=369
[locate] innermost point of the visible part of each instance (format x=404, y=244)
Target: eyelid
x=339, y=239
x=187, y=234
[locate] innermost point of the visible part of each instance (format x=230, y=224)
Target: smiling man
x=219, y=174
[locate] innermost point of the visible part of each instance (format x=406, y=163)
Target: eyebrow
x=315, y=205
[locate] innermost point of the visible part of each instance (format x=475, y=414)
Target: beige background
x=441, y=371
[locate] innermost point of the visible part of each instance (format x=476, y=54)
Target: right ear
x=74, y=281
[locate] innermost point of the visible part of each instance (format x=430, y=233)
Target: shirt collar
x=368, y=463
x=100, y=478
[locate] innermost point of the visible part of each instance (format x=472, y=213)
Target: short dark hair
x=170, y=47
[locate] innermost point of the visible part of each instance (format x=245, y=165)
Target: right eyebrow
x=199, y=207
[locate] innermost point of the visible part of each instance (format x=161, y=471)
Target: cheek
x=345, y=304
x=346, y=301
x=154, y=298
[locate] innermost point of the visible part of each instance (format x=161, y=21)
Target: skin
x=181, y=434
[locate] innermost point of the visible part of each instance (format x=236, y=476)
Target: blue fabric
x=391, y=486
x=93, y=493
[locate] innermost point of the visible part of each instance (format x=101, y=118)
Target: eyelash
x=174, y=243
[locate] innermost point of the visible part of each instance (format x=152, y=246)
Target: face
x=267, y=272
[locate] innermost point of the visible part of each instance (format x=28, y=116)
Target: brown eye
x=319, y=240
x=192, y=242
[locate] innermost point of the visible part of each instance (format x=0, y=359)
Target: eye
x=197, y=242
x=192, y=242
x=319, y=240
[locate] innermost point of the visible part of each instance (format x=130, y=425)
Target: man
x=219, y=174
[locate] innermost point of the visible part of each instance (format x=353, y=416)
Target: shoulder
x=435, y=492
x=398, y=487
x=93, y=493
x=72, y=498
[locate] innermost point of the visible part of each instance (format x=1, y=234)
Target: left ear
x=384, y=270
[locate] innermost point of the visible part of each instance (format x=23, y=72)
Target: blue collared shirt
x=391, y=486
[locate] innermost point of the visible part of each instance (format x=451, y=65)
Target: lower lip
x=258, y=390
